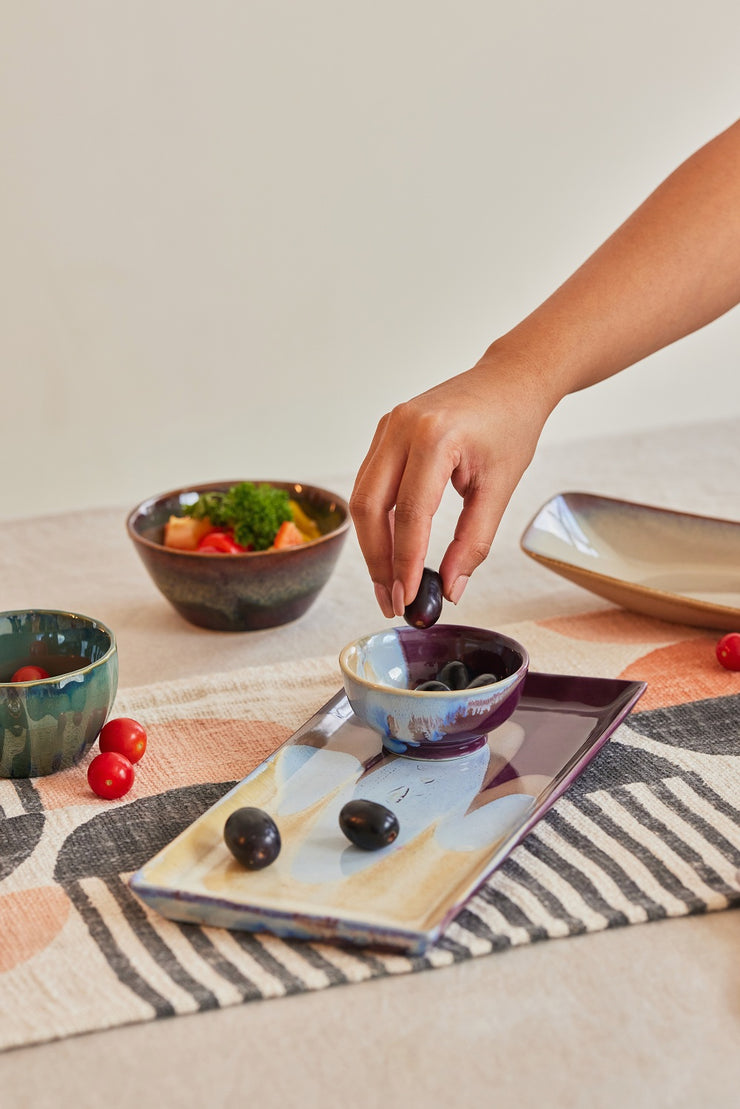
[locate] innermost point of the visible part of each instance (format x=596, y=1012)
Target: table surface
x=641, y=1016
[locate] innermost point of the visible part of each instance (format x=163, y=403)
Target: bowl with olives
x=437, y=692
x=240, y=555
x=58, y=681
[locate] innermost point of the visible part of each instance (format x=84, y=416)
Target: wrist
x=534, y=369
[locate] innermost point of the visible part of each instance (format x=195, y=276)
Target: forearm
x=671, y=268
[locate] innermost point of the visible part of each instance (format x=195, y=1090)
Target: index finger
x=371, y=506
x=426, y=474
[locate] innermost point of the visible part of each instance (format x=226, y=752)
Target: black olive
x=253, y=838
x=454, y=674
x=426, y=607
x=432, y=687
x=368, y=825
x=482, y=679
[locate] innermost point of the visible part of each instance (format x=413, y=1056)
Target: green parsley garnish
x=254, y=512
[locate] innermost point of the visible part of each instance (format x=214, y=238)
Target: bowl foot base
x=436, y=752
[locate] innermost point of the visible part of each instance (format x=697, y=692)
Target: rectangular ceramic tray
x=458, y=820
x=671, y=565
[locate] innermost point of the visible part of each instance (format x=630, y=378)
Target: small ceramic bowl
x=240, y=592
x=381, y=672
x=51, y=723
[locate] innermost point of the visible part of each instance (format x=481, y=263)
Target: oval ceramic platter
x=672, y=565
x=458, y=819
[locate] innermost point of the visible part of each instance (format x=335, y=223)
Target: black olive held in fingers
x=426, y=607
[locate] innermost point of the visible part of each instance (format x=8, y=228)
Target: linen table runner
x=650, y=830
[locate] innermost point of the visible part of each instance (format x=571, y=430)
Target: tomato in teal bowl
x=58, y=681
x=434, y=693
x=240, y=555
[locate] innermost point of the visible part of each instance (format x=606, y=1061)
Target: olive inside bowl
x=49, y=724
x=381, y=672
x=246, y=591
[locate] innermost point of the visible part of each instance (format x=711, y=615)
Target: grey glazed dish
x=240, y=592
x=675, y=566
x=381, y=673
x=51, y=723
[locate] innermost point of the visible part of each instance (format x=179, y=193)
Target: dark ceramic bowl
x=381, y=672
x=240, y=592
x=51, y=723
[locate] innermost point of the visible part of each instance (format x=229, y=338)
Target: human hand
x=477, y=430
x=673, y=266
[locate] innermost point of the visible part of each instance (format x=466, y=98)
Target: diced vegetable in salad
x=246, y=517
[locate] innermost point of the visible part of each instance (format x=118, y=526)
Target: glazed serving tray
x=675, y=566
x=458, y=822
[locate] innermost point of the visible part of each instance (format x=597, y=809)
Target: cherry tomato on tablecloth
x=110, y=775
x=124, y=735
x=728, y=651
x=29, y=674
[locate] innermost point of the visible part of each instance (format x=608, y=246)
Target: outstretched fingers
x=397, y=492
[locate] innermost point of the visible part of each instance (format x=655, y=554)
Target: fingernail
x=399, y=603
x=383, y=597
x=458, y=588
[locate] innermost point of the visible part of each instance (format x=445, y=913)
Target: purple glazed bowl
x=381, y=672
x=240, y=592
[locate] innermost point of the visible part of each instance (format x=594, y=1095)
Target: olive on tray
x=253, y=838
x=368, y=824
x=426, y=607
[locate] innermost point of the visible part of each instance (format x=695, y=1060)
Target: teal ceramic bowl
x=240, y=592
x=51, y=723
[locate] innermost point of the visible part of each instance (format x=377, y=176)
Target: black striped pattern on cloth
x=651, y=830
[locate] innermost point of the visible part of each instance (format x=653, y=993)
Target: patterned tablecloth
x=650, y=830
x=638, y=1016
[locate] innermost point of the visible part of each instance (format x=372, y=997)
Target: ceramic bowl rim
x=205, y=487
x=380, y=687
x=93, y=665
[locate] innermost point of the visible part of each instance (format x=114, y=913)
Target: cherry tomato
x=29, y=674
x=728, y=651
x=110, y=775
x=220, y=542
x=124, y=735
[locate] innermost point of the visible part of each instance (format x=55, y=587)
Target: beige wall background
x=232, y=234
